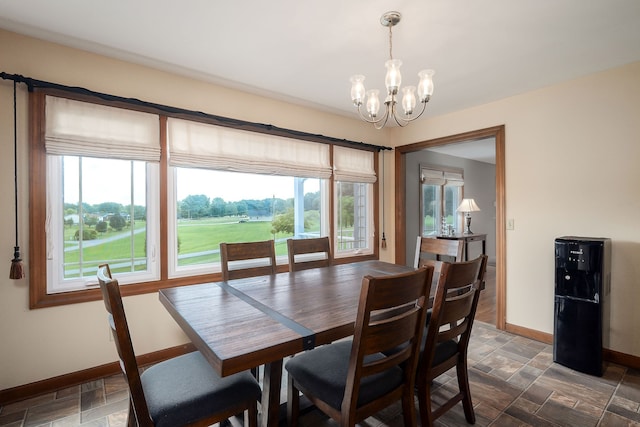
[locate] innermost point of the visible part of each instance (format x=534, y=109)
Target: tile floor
x=514, y=382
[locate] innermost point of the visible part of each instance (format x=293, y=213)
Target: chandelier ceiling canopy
x=392, y=81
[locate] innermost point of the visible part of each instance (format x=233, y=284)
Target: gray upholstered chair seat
x=444, y=350
x=184, y=389
x=323, y=372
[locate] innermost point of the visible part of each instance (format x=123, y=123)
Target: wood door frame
x=496, y=132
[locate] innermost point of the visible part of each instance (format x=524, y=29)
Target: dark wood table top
x=243, y=323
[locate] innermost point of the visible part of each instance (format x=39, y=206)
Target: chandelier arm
x=379, y=125
x=374, y=121
x=405, y=121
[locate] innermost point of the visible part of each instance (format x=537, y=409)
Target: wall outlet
x=510, y=224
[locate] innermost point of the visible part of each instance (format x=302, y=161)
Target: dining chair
x=350, y=380
x=305, y=253
x=447, y=337
x=263, y=255
x=428, y=248
x=182, y=391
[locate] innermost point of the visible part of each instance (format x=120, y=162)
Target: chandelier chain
x=390, y=43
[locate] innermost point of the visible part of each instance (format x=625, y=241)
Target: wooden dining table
x=244, y=323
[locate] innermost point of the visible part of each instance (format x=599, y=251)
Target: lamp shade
x=468, y=205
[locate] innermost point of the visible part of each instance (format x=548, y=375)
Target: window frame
x=38, y=296
x=370, y=238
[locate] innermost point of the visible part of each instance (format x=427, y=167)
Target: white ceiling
x=305, y=51
x=482, y=150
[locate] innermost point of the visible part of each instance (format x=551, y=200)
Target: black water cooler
x=582, y=302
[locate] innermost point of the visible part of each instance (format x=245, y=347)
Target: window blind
x=454, y=179
x=439, y=177
x=432, y=177
x=353, y=165
x=194, y=144
x=82, y=129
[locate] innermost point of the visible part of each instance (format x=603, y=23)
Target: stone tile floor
x=514, y=382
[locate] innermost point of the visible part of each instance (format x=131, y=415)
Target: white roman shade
x=199, y=145
x=78, y=128
x=454, y=179
x=432, y=177
x=353, y=165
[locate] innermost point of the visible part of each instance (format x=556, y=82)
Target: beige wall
x=590, y=122
x=572, y=168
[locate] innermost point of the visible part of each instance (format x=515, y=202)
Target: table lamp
x=467, y=206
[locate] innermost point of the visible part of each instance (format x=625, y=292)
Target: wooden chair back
x=428, y=249
x=448, y=334
x=391, y=315
x=302, y=251
x=263, y=253
x=120, y=330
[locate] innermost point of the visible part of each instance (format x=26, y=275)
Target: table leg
x=271, y=394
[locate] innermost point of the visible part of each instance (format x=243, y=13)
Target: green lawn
x=195, y=236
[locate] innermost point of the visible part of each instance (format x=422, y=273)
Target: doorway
x=498, y=135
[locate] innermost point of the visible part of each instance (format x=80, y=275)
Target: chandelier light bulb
x=373, y=102
x=357, y=89
x=408, y=99
x=425, y=87
x=393, y=79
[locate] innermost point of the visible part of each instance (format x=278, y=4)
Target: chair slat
x=301, y=250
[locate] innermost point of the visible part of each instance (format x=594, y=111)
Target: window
x=154, y=196
x=240, y=186
x=248, y=207
x=353, y=221
x=104, y=211
x=107, y=183
x=354, y=177
x=441, y=193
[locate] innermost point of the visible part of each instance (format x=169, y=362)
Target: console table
x=466, y=239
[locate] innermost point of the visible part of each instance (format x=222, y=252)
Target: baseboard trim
x=609, y=355
x=529, y=333
x=621, y=358
x=50, y=385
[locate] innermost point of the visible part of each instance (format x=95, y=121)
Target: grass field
x=198, y=242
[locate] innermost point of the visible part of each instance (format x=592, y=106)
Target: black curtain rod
x=222, y=121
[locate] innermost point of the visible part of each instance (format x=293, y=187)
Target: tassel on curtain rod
x=210, y=118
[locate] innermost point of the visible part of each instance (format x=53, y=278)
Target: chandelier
x=392, y=82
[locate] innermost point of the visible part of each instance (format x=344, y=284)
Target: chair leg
x=463, y=385
x=424, y=403
x=293, y=403
x=131, y=417
x=409, y=408
x=251, y=415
